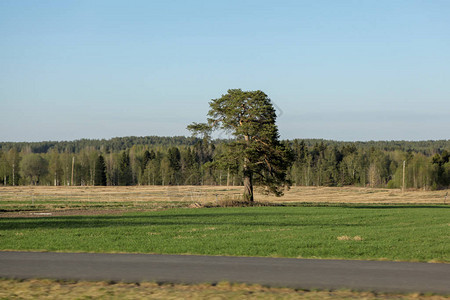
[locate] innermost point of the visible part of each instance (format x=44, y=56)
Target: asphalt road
x=378, y=276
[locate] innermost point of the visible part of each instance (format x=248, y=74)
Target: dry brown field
x=49, y=289
x=213, y=193
x=107, y=199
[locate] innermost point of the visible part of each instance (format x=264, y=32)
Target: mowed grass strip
x=406, y=233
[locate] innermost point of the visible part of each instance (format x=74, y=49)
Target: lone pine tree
x=250, y=117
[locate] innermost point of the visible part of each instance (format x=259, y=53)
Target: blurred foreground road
x=380, y=276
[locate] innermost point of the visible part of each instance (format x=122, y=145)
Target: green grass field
x=397, y=232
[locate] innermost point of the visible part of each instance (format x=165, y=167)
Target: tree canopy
x=251, y=118
x=33, y=166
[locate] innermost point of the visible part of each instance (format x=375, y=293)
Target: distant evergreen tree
x=125, y=173
x=100, y=171
x=174, y=157
x=145, y=159
x=441, y=172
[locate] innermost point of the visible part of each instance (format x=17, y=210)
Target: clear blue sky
x=342, y=70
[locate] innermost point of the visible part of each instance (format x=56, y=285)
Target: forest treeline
x=192, y=161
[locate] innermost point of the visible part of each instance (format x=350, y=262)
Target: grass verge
x=373, y=232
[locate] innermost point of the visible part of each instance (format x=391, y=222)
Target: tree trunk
x=248, y=182
x=14, y=171
x=248, y=188
x=403, y=180
x=73, y=165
